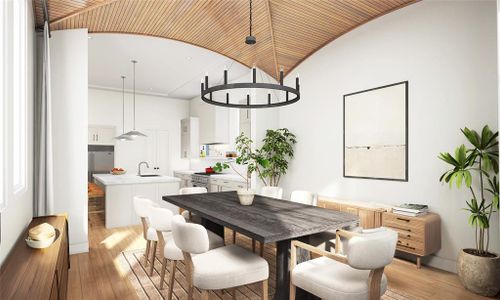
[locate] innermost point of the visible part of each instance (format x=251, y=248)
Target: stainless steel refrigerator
x=101, y=160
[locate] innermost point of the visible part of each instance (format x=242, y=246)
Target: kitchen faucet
x=139, y=167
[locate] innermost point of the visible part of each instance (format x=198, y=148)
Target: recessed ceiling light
x=150, y=89
x=188, y=57
x=89, y=37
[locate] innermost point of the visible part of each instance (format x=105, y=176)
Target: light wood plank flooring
x=98, y=274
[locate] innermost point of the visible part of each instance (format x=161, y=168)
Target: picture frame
x=375, y=133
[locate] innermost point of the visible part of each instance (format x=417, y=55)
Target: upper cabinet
x=213, y=122
x=190, y=145
x=101, y=135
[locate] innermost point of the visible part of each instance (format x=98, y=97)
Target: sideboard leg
x=418, y=262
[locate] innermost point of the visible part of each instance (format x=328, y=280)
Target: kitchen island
x=120, y=191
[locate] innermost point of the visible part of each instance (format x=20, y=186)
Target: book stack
x=411, y=209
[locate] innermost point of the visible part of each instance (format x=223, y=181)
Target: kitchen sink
x=149, y=175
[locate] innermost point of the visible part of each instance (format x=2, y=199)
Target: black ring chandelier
x=292, y=95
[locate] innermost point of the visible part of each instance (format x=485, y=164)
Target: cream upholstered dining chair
x=161, y=221
x=188, y=191
x=358, y=273
x=303, y=197
x=141, y=207
x=221, y=268
x=271, y=192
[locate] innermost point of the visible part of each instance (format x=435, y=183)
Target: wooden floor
x=98, y=274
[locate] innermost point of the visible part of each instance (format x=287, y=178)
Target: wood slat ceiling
x=287, y=31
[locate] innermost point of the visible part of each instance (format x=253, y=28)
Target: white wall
x=153, y=113
x=19, y=211
x=69, y=67
x=447, y=51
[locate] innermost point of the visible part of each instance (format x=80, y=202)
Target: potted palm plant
x=249, y=158
x=478, y=268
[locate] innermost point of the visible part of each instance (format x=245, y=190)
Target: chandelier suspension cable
x=250, y=17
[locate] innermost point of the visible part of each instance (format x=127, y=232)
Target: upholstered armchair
x=355, y=273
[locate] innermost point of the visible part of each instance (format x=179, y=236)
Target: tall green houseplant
x=277, y=150
x=481, y=159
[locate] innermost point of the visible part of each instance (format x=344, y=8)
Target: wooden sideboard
x=369, y=216
x=37, y=273
x=419, y=236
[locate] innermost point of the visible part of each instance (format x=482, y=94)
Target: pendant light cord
x=250, y=17
x=134, y=62
x=123, y=104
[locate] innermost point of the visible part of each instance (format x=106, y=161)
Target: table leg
x=214, y=227
x=282, y=270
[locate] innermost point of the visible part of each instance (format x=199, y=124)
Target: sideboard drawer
x=402, y=222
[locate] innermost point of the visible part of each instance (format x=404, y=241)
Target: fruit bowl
x=118, y=171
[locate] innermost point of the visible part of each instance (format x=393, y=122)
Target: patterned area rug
x=149, y=287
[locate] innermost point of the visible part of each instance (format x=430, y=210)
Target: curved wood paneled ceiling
x=287, y=31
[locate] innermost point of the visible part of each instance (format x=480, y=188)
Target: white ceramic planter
x=246, y=196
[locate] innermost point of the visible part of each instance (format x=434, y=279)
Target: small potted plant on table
x=249, y=158
x=478, y=268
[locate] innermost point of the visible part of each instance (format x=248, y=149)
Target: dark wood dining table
x=267, y=220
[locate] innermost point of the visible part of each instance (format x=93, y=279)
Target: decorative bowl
x=118, y=172
x=40, y=244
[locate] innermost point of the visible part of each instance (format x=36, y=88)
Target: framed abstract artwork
x=376, y=133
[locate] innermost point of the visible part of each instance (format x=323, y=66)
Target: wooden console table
x=37, y=273
x=419, y=236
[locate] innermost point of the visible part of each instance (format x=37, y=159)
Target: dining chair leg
x=205, y=295
x=253, y=245
x=171, y=281
x=146, y=253
x=292, y=291
x=162, y=275
x=153, y=256
x=265, y=290
x=261, y=249
x=234, y=237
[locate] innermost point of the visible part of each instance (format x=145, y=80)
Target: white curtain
x=44, y=195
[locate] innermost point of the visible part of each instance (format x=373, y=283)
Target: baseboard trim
x=79, y=248
x=434, y=261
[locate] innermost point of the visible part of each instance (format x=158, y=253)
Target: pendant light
x=134, y=133
x=209, y=95
x=123, y=136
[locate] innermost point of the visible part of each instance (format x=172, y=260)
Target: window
x=3, y=96
x=19, y=96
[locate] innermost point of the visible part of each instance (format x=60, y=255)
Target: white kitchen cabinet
x=190, y=137
x=213, y=122
x=224, y=185
x=245, y=122
x=157, y=151
x=101, y=135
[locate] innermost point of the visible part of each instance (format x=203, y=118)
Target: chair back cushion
x=272, y=192
x=303, y=197
x=142, y=206
x=192, y=190
x=372, y=250
x=189, y=237
x=160, y=218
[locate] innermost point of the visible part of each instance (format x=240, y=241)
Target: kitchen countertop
x=109, y=179
x=187, y=172
x=231, y=177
